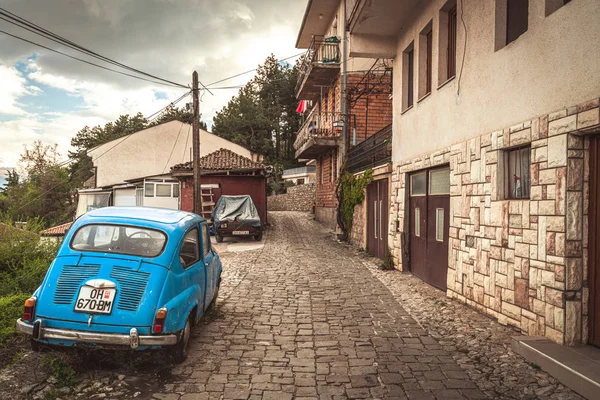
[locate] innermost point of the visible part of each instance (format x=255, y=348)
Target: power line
x=247, y=72
x=38, y=30
x=133, y=133
x=87, y=62
x=172, y=149
x=156, y=114
x=149, y=119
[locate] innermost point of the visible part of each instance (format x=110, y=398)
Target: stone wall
x=297, y=198
x=359, y=226
x=523, y=262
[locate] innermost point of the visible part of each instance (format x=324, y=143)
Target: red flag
x=302, y=106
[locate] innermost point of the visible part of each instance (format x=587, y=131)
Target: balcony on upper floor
x=374, y=151
x=319, y=67
x=322, y=131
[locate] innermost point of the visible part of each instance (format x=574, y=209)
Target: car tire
x=180, y=350
x=258, y=237
x=219, y=238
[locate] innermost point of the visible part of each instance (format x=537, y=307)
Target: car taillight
x=28, y=309
x=159, y=320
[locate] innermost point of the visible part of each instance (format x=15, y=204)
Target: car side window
x=205, y=239
x=190, y=249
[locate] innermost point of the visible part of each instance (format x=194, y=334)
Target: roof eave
x=304, y=18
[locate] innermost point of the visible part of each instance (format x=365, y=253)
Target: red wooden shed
x=223, y=172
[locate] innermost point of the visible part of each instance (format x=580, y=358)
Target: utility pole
x=196, y=146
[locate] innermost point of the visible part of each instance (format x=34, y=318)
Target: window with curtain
x=517, y=163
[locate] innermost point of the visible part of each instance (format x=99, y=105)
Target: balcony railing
x=320, y=124
x=322, y=52
x=373, y=151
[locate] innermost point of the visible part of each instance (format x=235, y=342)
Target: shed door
x=594, y=243
x=377, y=218
x=429, y=224
x=125, y=197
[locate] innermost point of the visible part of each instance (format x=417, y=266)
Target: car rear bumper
x=133, y=340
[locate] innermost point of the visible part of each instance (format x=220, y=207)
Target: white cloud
x=168, y=38
x=13, y=87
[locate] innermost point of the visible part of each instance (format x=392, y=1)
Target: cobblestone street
x=307, y=317
x=310, y=320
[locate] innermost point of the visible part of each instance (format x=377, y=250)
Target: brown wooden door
x=594, y=243
x=377, y=218
x=429, y=224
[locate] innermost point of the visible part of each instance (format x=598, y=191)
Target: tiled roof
x=220, y=160
x=59, y=230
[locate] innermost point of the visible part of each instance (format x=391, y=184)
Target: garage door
x=124, y=197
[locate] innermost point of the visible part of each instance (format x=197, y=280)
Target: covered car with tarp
x=236, y=216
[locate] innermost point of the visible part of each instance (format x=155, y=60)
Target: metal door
x=594, y=243
x=377, y=218
x=429, y=223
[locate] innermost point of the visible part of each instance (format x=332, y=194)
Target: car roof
x=150, y=214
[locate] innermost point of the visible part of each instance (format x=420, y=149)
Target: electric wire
x=173, y=148
x=38, y=30
x=252, y=70
x=462, y=66
x=156, y=114
x=88, y=62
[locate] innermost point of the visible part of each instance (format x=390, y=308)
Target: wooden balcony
x=322, y=131
x=319, y=67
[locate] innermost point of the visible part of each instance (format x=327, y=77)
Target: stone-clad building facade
x=495, y=162
x=521, y=261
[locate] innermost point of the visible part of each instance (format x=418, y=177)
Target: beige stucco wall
x=153, y=151
x=554, y=64
x=353, y=64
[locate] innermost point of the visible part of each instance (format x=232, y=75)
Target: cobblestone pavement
x=309, y=320
x=307, y=317
x=479, y=344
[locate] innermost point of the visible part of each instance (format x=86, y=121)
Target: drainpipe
x=344, y=82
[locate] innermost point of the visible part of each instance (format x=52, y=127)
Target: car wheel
x=180, y=351
x=219, y=238
x=258, y=237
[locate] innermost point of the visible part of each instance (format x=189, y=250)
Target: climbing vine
x=350, y=193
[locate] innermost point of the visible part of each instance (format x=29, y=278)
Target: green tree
x=172, y=113
x=44, y=190
x=262, y=116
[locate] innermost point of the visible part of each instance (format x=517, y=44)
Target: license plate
x=241, y=232
x=96, y=301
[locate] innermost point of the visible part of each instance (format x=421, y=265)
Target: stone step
x=575, y=367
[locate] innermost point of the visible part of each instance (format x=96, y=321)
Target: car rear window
x=119, y=239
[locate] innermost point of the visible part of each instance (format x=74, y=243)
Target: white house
x=135, y=170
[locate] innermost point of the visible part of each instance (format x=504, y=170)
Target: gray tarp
x=229, y=208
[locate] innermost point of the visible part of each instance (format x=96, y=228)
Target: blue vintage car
x=126, y=276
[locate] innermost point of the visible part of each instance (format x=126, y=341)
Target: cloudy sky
x=47, y=96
